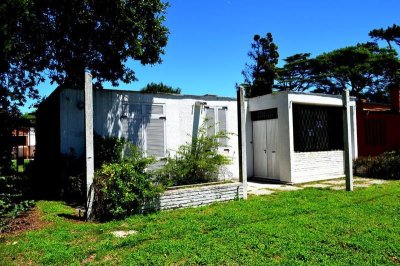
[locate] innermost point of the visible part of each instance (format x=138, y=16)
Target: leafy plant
x=195, y=162
x=12, y=201
x=384, y=166
x=107, y=149
x=123, y=188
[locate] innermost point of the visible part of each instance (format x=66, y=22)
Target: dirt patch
x=26, y=221
x=89, y=259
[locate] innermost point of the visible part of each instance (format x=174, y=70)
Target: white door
x=265, y=136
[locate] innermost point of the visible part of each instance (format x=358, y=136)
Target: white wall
x=277, y=100
x=319, y=165
x=108, y=108
x=299, y=167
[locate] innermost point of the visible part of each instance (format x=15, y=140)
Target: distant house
x=379, y=125
x=25, y=141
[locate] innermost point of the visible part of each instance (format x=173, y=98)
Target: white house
x=296, y=137
x=157, y=123
x=290, y=137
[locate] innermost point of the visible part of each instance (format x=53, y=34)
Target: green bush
x=124, y=188
x=108, y=149
x=12, y=200
x=384, y=166
x=195, y=162
x=72, y=168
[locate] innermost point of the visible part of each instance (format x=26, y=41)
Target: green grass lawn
x=311, y=226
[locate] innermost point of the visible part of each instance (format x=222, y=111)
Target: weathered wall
x=200, y=196
x=311, y=166
x=109, y=107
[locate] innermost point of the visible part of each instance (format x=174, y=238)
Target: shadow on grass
x=72, y=217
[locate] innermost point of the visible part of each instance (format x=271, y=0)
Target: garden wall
x=201, y=195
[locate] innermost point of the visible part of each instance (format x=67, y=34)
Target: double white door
x=265, y=136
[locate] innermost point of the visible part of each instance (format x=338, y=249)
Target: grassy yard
x=311, y=226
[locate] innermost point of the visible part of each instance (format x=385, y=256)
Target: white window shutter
x=132, y=130
x=210, y=116
x=155, y=137
x=222, y=124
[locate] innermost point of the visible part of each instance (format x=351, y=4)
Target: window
x=216, y=122
x=317, y=128
x=144, y=126
x=375, y=132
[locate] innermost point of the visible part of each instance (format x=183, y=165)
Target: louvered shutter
x=155, y=137
x=210, y=116
x=222, y=124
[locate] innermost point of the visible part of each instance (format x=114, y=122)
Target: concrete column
x=241, y=114
x=348, y=158
x=89, y=151
x=196, y=120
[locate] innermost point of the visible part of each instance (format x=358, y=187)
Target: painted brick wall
x=310, y=166
x=200, y=196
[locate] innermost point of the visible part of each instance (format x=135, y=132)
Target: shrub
x=195, y=162
x=108, y=149
x=384, y=166
x=12, y=201
x=124, y=188
x=72, y=168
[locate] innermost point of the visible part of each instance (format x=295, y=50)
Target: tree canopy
x=62, y=39
x=160, y=88
x=261, y=72
x=365, y=69
x=390, y=34
x=296, y=74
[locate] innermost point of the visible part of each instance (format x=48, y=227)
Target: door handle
x=265, y=150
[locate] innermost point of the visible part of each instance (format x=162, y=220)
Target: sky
x=209, y=39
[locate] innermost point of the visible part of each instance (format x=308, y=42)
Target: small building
x=297, y=137
x=290, y=137
x=379, y=125
x=157, y=123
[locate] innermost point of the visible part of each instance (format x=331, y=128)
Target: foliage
x=306, y=227
x=384, y=166
x=65, y=38
x=261, y=72
x=12, y=200
x=296, y=74
x=390, y=34
x=160, y=88
x=107, y=149
x=123, y=188
x=195, y=162
x=363, y=69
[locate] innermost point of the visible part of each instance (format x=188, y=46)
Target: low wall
x=314, y=166
x=200, y=195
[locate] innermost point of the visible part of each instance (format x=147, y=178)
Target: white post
x=89, y=153
x=348, y=160
x=241, y=112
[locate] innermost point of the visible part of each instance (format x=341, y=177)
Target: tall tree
x=60, y=39
x=262, y=71
x=65, y=38
x=391, y=34
x=364, y=69
x=296, y=74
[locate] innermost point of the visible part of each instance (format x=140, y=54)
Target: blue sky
x=209, y=39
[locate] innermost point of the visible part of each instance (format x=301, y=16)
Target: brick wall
x=310, y=166
x=200, y=195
